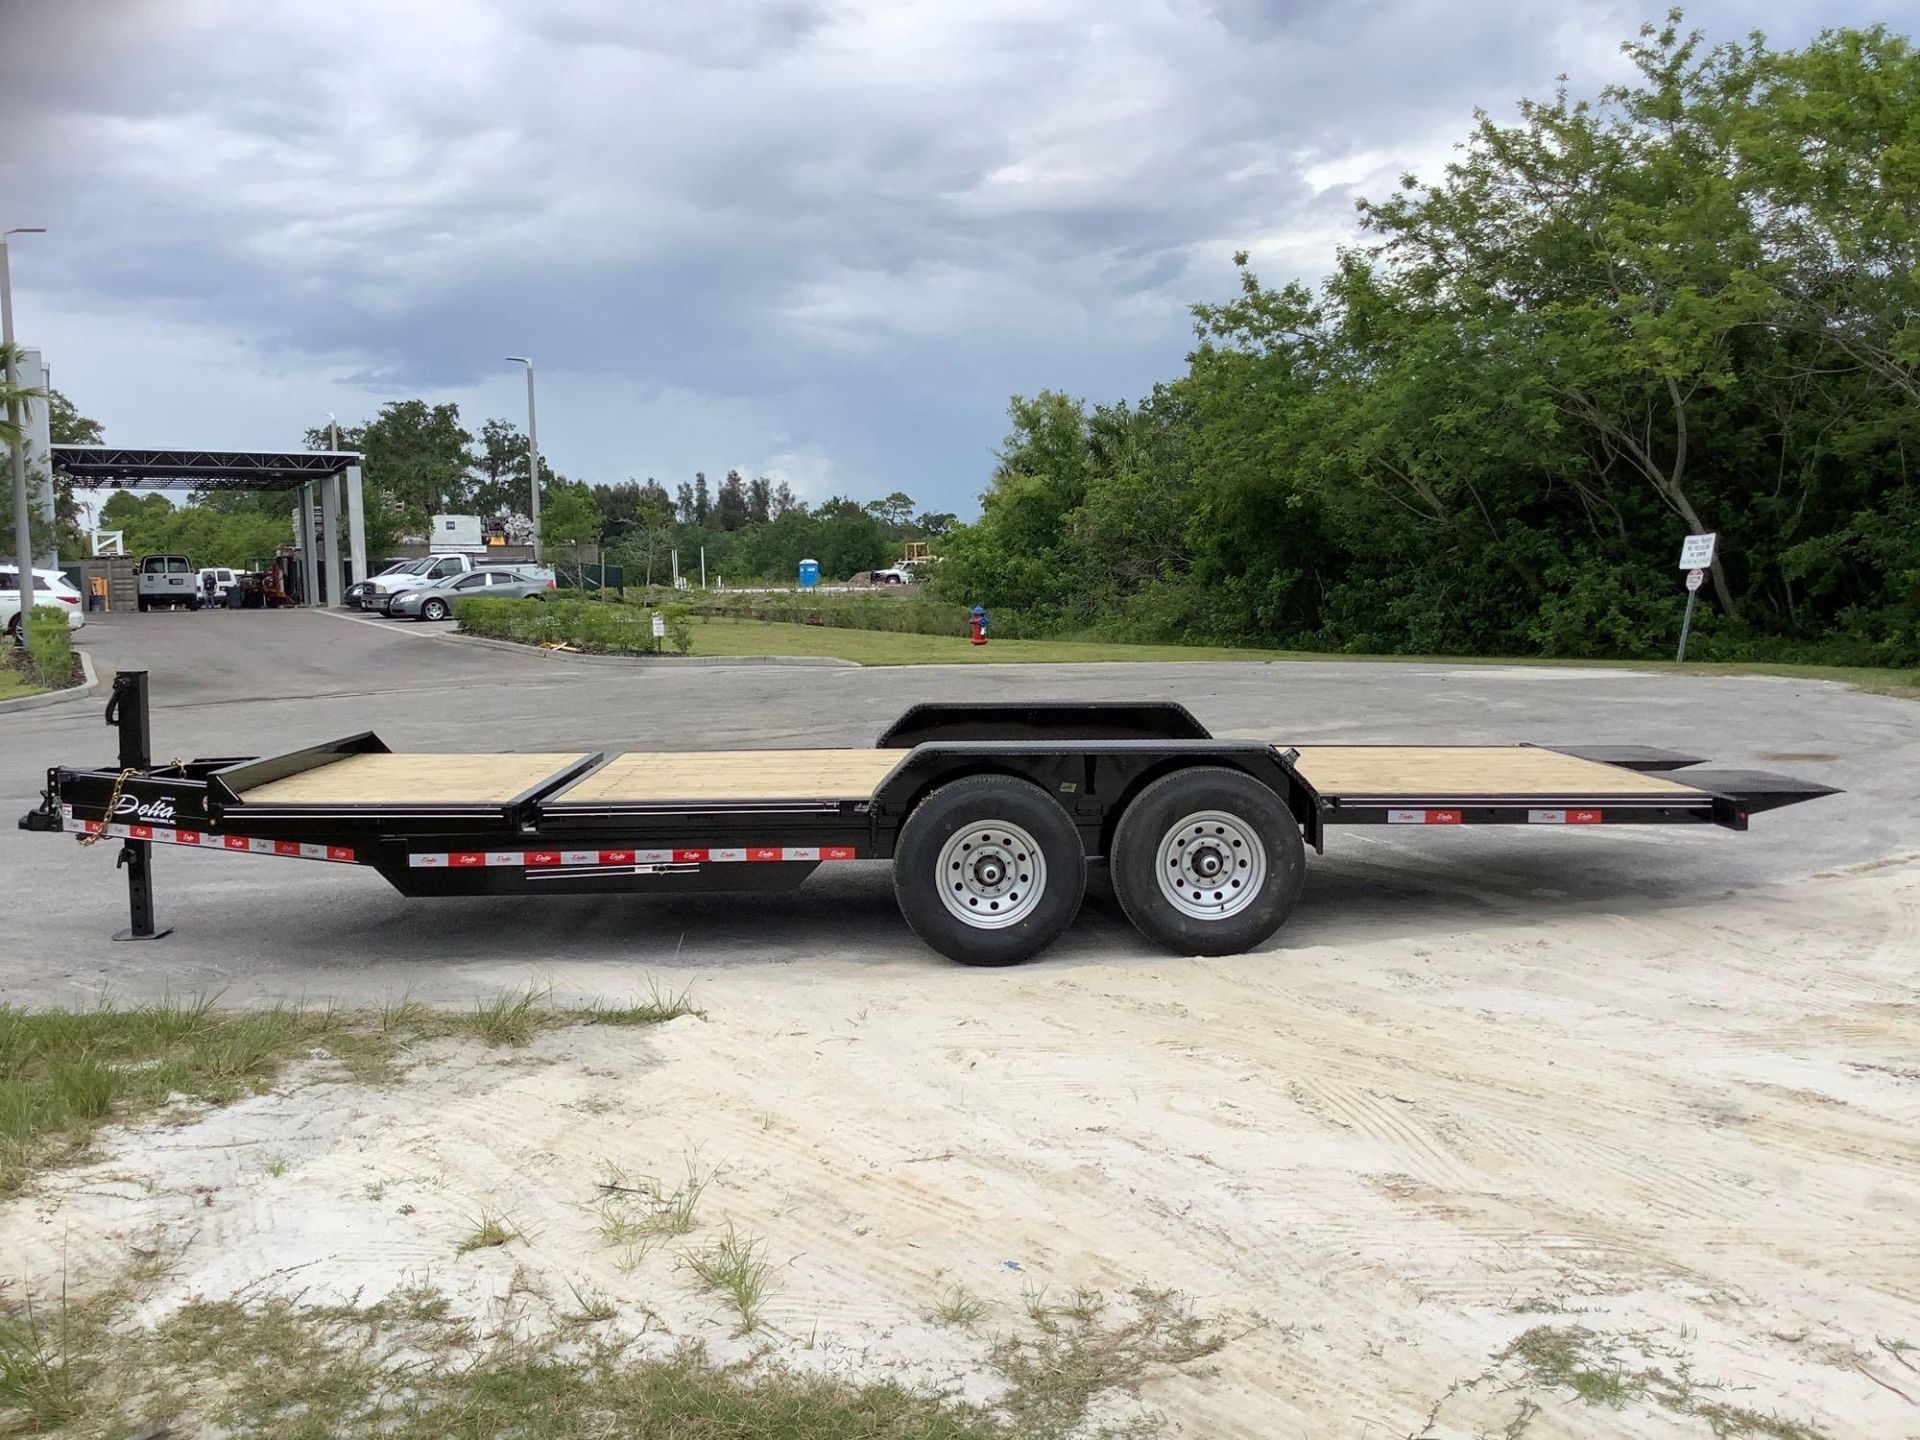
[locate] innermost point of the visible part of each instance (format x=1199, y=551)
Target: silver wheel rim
x=1211, y=865
x=991, y=875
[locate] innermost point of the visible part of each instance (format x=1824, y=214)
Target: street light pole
x=533, y=452
x=22, y=536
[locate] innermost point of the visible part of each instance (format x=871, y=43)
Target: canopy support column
x=303, y=528
x=330, y=512
x=356, y=525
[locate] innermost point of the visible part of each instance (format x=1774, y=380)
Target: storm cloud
x=819, y=240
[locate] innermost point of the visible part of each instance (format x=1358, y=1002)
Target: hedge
x=909, y=613
x=595, y=626
x=50, y=646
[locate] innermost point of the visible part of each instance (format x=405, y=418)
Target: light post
x=22, y=538
x=533, y=451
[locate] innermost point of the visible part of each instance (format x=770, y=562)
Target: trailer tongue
x=989, y=814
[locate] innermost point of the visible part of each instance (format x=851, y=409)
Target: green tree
x=568, y=515
x=730, y=508
x=502, y=483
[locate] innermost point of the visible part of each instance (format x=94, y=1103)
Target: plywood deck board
x=414, y=780
x=734, y=775
x=1447, y=770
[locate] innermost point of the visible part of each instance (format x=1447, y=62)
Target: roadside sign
x=659, y=626
x=1696, y=551
x=1694, y=577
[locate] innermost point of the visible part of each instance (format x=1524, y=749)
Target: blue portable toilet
x=809, y=574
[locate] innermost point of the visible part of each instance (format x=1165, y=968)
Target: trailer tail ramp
x=989, y=813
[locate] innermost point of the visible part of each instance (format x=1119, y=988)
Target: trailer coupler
x=44, y=817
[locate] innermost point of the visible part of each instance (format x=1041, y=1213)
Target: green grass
x=716, y=636
x=408, y=1368
x=65, y=1073
x=16, y=684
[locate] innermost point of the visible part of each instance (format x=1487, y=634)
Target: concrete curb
x=673, y=662
x=90, y=686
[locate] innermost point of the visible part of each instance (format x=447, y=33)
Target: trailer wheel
x=1207, y=861
x=989, y=870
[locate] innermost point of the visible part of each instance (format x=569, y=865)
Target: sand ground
x=1690, y=1128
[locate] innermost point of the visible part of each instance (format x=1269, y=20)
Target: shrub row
x=604, y=629
x=50, y=647
x=908, y=614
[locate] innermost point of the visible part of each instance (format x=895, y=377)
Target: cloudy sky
x=813, y=239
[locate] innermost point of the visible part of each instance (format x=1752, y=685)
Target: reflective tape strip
x=1566, y=817
x=1423, y=817
x=622, y=859
x=247, y=844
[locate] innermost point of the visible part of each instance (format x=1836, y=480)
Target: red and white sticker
x=249, y=844
x=1423, y=817
x=1565, y=817
x=623, y=859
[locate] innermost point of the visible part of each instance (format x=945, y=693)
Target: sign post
x=1696, y=553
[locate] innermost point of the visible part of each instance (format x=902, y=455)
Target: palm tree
x=11, y=395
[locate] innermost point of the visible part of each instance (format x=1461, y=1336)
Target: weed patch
x=1615, y=1371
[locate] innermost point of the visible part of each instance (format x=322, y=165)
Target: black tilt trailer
x=989, y=813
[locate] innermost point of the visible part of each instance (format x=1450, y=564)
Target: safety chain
x=94, y=837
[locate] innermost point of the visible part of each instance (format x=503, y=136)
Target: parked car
x=50, y=589
x=435, y=601
x=169, y=580
x=215, y=582
x=373, y=592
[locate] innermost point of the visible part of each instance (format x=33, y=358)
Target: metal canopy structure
x=127, y=467
x=121, y=466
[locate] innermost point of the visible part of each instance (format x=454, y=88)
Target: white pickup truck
x=373, y=592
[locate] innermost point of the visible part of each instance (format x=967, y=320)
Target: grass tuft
x=735, y=1268
x=490, y=1232
x=510, y=1018
x=957, y=1308
x=37, y=1364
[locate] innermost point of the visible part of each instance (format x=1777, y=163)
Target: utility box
x=456, y=532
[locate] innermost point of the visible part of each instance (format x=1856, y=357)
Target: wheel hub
x=992, y=875
x=1211, y=865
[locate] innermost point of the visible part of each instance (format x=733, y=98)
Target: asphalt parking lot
x=250, y=682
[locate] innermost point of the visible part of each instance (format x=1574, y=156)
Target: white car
x=50, y=588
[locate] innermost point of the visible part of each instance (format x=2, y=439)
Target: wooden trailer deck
x=1344, y=771
x=419, y=779
x=645, y=776
x=1354, y=771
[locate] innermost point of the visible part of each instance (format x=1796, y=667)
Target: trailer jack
x=127, y=713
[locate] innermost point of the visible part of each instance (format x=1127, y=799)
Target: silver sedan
x=435, y=601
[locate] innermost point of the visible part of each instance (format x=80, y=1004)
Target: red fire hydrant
x=977, y=626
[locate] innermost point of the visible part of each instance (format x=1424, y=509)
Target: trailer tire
x=989, y=870
x=1207, y=827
